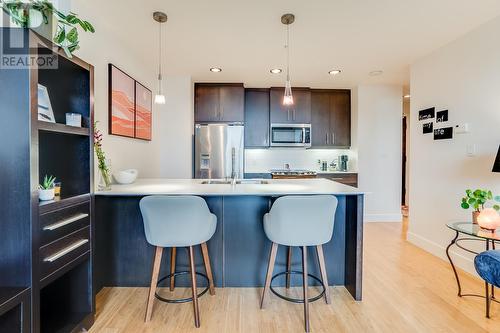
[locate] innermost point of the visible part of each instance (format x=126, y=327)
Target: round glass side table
x=478, y=235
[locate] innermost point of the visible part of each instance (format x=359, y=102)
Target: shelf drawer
x=350, y=179
x=60, y=223
x=63, y=251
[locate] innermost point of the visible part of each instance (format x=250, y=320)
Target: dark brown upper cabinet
x=331, y=118
x=257, y=118
x=299, y=113
x=219, y=102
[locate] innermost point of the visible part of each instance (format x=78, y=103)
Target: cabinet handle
x=333, y=138
x=64, y=222
x=326, y=138
x=294, y=114
x=288, y=114
x=66, y=250
x=216, y=113
x=221, y=114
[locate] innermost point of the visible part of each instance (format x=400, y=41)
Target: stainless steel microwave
x=291, y=135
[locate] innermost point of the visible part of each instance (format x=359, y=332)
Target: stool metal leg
x=154, y=280
x=196, y=310
x=270, y=268
x=305, y=287
x=324, y=276
x=288, y=266
x=208, y=267
x=173, y=255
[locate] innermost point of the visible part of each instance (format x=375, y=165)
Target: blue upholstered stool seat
x=488, y=266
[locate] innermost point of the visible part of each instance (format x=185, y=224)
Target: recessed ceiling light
x=334, y=72
x=216, y=69
x=376, y=73
x=407, y=96
x=276, y=70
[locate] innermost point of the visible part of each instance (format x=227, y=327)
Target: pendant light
x=288, y=19
x=161, y=18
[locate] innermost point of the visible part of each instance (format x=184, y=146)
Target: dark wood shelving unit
x=62, y=128
x=39, y=291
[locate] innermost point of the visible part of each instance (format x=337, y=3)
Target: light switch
x=462, y=129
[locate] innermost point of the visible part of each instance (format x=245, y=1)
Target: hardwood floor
x=405, y=290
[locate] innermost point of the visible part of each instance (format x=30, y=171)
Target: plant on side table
x=104, y=183
x=46, y=190
x=477, y=200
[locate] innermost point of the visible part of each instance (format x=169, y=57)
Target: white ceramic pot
x=46, y=195
x=126, y=176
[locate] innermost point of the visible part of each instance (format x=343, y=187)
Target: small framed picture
x=45, y=112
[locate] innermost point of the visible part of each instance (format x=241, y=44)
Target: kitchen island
x=239, y=249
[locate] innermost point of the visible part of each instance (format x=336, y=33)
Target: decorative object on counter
x=427, y=128
x=45, y=112
x=143, y=112
x=161, y=18
x=333, y=165
x=46, y=188
x=489, y=219
x=476, y=200
x=343, y=162
x=442, y=116
x=443, y=133
x=57, y=189
x=496, y=166
x=130, y=106
x=103, y=165
x=426, y=114
x=126, y=176
x=45, y=19
x=74, y=119
x=288, y=19
x=324, y=165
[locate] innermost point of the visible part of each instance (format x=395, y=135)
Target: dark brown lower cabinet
x=15, y=310
x=350, y=179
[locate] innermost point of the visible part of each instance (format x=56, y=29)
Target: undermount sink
x=239, y=182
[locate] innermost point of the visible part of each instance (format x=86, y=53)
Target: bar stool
x=300, y=221
x=178, y=221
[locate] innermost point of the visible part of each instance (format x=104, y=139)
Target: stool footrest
x=181, y=300
x=297, y=300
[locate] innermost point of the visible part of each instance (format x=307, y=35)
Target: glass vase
x=104, y=183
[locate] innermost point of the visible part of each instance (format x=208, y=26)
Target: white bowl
x=126, y=176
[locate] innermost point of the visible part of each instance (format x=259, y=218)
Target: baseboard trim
x=459, y=259
x=383, y=217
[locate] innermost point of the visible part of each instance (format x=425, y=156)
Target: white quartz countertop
x=273, y=187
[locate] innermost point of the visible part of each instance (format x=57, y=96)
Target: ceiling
x=246, y=38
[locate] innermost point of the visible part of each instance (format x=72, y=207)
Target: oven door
x=291, y=135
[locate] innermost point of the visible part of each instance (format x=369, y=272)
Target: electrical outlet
x=471, y=150
x=462, y=129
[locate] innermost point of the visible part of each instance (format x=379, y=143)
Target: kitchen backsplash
x=263, y=160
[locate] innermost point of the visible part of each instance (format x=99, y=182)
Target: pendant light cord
x=287, y=46
x=159, y=61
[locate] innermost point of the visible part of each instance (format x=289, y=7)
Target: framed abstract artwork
x=143, y=111
x=121, y=103
x=130, y=106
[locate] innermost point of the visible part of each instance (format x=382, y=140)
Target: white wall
x=169, y=154
x=378, y=113
x=463, y=77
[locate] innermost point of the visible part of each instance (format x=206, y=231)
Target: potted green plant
x=46, y=190
x=477, y=200
x=46, y=20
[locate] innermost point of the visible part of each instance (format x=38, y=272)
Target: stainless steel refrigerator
x=219, y=151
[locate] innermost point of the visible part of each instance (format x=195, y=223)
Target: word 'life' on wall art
x=426, y=114
x=443, y=133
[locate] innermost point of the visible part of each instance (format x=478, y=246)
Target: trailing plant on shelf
x=477, y=200
x=34, y=13
x=46, y=188
x=104, y=171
